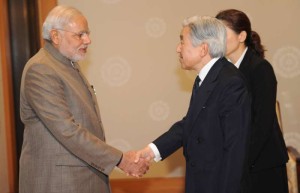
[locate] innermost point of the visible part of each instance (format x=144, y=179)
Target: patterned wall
x=133, y=65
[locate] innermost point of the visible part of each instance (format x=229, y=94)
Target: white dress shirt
x=238, y=63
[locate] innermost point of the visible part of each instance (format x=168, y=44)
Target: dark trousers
x=273, y=180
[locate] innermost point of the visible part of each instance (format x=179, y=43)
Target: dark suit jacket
x=213, y=133
x=267, y=149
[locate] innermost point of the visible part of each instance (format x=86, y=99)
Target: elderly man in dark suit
x=214, y=132
x=64, y=147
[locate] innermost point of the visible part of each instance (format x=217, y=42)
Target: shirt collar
x=238, y=63
x=204, y=71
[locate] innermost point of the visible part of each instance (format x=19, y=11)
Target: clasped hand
x=136, y=163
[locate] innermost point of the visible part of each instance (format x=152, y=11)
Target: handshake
x=136, y=163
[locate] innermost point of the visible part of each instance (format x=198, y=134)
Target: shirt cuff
x=157, y=156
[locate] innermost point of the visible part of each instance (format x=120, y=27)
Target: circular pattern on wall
x=292, y=139
x=120, y=144
x=159, y=111
x=116, y=71
x=111, y=1
x=286, y=61
x=155, y=27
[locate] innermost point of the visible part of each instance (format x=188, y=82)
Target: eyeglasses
x=79, y=35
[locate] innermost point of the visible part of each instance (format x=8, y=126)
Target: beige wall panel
x=133, y=65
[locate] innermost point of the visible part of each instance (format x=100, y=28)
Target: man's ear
x=242, y=36
x=54, y=35
x=203, y=49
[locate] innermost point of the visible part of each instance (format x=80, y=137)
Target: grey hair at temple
x=58, y=18
x=206, y=29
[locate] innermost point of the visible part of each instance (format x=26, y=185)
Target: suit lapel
x=93, y=95
x=205, y=90
x=244, y=67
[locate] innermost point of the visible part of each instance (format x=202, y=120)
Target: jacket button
x=193, y=164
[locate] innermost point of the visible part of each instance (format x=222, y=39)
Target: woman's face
x=235, y=44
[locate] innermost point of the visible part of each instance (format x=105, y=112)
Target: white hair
x=206, y=29
x=58, y=18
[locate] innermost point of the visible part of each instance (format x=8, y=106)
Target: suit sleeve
x=235, y=116
x=45, y=93
x=264, y=90
x=171, y=140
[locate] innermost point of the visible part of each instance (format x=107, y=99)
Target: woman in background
x=266, y=164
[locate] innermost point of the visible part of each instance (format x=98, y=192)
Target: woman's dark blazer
x=267, y=147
